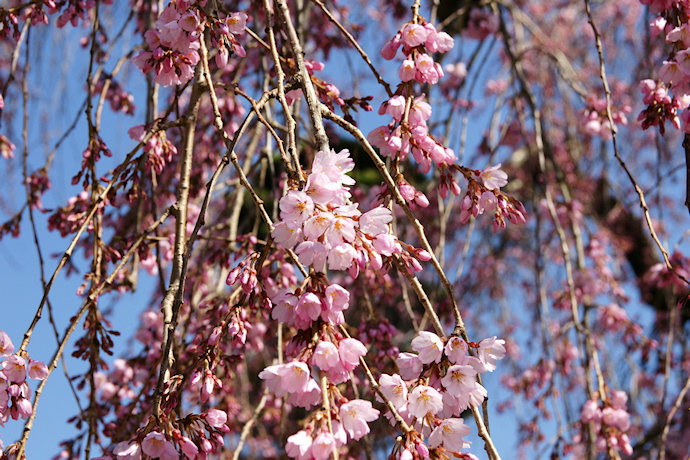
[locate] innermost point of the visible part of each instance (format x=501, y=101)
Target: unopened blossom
x=493, y=177
x=424, y=400
x=21, y=408
x=429, y=346
x=390, y=49
x=216, y=418
x=449, y=434
x=189, y=449
x=354, y=416
x=490, y=350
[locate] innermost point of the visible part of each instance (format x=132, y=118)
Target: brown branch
x=173, y=296
x=77, y=318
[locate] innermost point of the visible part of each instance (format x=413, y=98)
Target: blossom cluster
x=165, y=446
x=595, y=121
x=174, y=43
x=488, y=197
x=329, y=231
x=319, y=307
x=408, y=133
x=436, y=384
x=610, y=422
x=15, y=393
x=158, y=148
x=671, y=92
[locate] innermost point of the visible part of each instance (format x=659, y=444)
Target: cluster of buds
x=120, y=100
x=408, y=133
x=158, y=148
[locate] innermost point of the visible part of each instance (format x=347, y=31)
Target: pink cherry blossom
x=153, y=444
x=429, y=346
x=128, y=450
x=299, y=446
x=296, y=206
x=490, y=350
x=424, y=400
x=394, y=388
x=323, y=446
x=459, y=379
x=493, y=177
x=456, y=350
x=14, y=368
x=6, y=346
x=414, y=35
x=326, y=356
x=409, y=365
x=375, y=221
x=350, y=350
x=37, y=370
x=286, y=378
x=449, y=434
x=354, y=416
